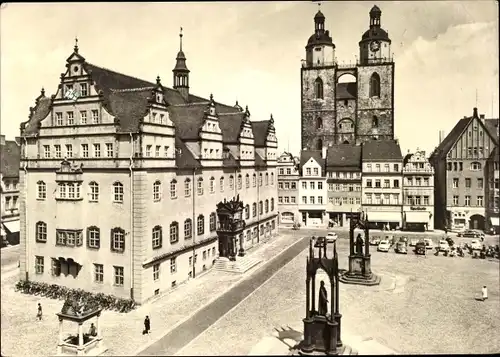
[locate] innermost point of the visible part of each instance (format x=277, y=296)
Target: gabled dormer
x=210, y=136
x=158, y=112
x=246, y=141
x=76, y=82
x=271, y=142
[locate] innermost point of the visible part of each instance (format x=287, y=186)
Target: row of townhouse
x=129, y=208
x=342, y=180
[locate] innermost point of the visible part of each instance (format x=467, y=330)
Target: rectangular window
x=467, y=200
x=377, y=183
x=157, y=151
x=109, y=149
x=288, y=171
x=320, y=200
x=165, y=151
x=351, y=200
x=320, y=185
x=39, y=264
x=83, y=117
x=387, y=183
x=156, y=272
x=308, y=171
x=377, y=198
x=95, y=116
x=173, y=265
x=97, y=150
x=316, y=171
x=46, y=151
x=344, y=200
x=292, y=199
x=287, y=199
x=59, y=119
x=312, y=185
x=386, y=168
x=426, y=200
x=287, y=185
x=148, y=150
x=83, y=90
x=58, y=151
x=369, y=183
x=358, y=200
x=455, y=183
x=330, y=200
x=480, y=201
x=467, y=182
x=304, y=185
x=337, y=201
x=330, y=187
x=281, y=171
x=304, y=199
x=480, y=183
x=418, y=181
x=396, y=167
x=85, y=150
x=311, y=200
x=98, y=273
x=455, y=200
x=426, y=181
x=69, y=150
x=70, y=118
x=377, y=168
x=119, y=276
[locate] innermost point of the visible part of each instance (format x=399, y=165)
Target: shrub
x=53, y=291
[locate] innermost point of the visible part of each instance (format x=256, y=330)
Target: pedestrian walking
x=147, y=326
x=39, y=313
x=484, y=292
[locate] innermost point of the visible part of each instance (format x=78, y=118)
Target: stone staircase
x=240, y=266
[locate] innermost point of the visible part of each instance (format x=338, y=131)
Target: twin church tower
x=335, y=111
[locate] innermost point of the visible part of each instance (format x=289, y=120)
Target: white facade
x=312, y=194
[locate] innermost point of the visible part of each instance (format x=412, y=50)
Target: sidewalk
x=435, y=232
x=122, y=333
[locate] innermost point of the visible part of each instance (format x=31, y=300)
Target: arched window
x=239, y=182
x=247, y=212
x=187, y=187
x=221, y=183
x=375, y=122
x=41, y=232
x=261, y=207
x=231, y=182
x=318, y=88
x=319, y=144
x=254, y=180
x=157, y=191
x=173, y=188
x=200, y=186
x=41, y=190
x=247, y=181
x=174, y=232
x=319, y=123
x=188, y=229
x=118, y=192
x=93, y=237
x=375, y=85
x=267, y=206
x=254, y=209
x=260, y=179
x=212, y=222
x=212, y=185
x=94, y=191
x=272, y=204
x=157, y=237
x=201, y=225
x=475, y=166
x=346, y=141
x=267, y=179
x=117, y=239
x=272, y=178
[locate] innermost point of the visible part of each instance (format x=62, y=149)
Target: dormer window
x=83, y=90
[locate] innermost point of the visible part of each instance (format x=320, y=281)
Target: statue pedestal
x=320, y=336
x=360, y=272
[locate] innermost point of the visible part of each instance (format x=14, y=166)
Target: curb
x=244, y=276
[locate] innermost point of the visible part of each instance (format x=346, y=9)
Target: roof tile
x=381, y=150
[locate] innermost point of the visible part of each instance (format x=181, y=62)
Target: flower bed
x=53, y=291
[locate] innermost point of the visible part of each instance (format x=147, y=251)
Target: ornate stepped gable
x=129, y=99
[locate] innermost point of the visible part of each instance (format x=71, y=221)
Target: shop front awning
x=417, y=217
x=495, y=221
x=384, y=217
x=12, y=227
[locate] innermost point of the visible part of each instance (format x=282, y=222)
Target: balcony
x=231, y=226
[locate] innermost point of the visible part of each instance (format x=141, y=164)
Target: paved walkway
x=122, y=332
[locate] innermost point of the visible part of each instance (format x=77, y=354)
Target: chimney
x=2, y=139
x=441, y=136
x=323, y=152
x=481, y=116
x=474, y=113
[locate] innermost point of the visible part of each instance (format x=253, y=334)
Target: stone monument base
x=239, y=266
x=94, y=347
x=359, y=272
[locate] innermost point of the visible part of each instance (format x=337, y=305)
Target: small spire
x=236, y=102
x=211, y=97
x=180, y=38
x=42, y=92
x=76, y=45
x=271, y=119
x=158, y=80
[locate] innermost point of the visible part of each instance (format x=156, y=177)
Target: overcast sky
x=251, y=52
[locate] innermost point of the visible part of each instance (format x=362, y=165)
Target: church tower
x=181, y=72
x=375, y=82
x=318, y=89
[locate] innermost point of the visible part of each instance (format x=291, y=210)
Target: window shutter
x=111, y=240
x=161, y=237
x=124, y=240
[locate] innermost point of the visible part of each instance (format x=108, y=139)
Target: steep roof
x=343, y=155
x=347, y=90
x=260, y=132
x=381, y=150
x=305, y=155
x=442, y=150
x=10, y=155
x=494, y=156
x=492, y=127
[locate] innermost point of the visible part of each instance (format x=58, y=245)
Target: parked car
x=429, y=244
x=384, y=246
x=444, y=246
x=413, y=242
x=374, y=240
x=403, y=239
x=401, y=248
x=470, y=233
x=420, y=248
x=331, y=237
x=475, y=244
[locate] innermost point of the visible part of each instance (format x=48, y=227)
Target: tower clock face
x=374, y=46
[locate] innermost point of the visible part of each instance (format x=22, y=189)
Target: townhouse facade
x=10, y=154
x=461, y=174
x=382, y=189
x=418, y=192
x=492, y=192
x=312, y=188
x=343, y=171
x=121, y=177
x=288, y=189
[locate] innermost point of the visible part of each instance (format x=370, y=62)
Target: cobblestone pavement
x=9, y=255
x=122, y=332
x=427, y=307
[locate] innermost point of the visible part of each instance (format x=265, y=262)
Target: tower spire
x=180, y=40
x=76, y=44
